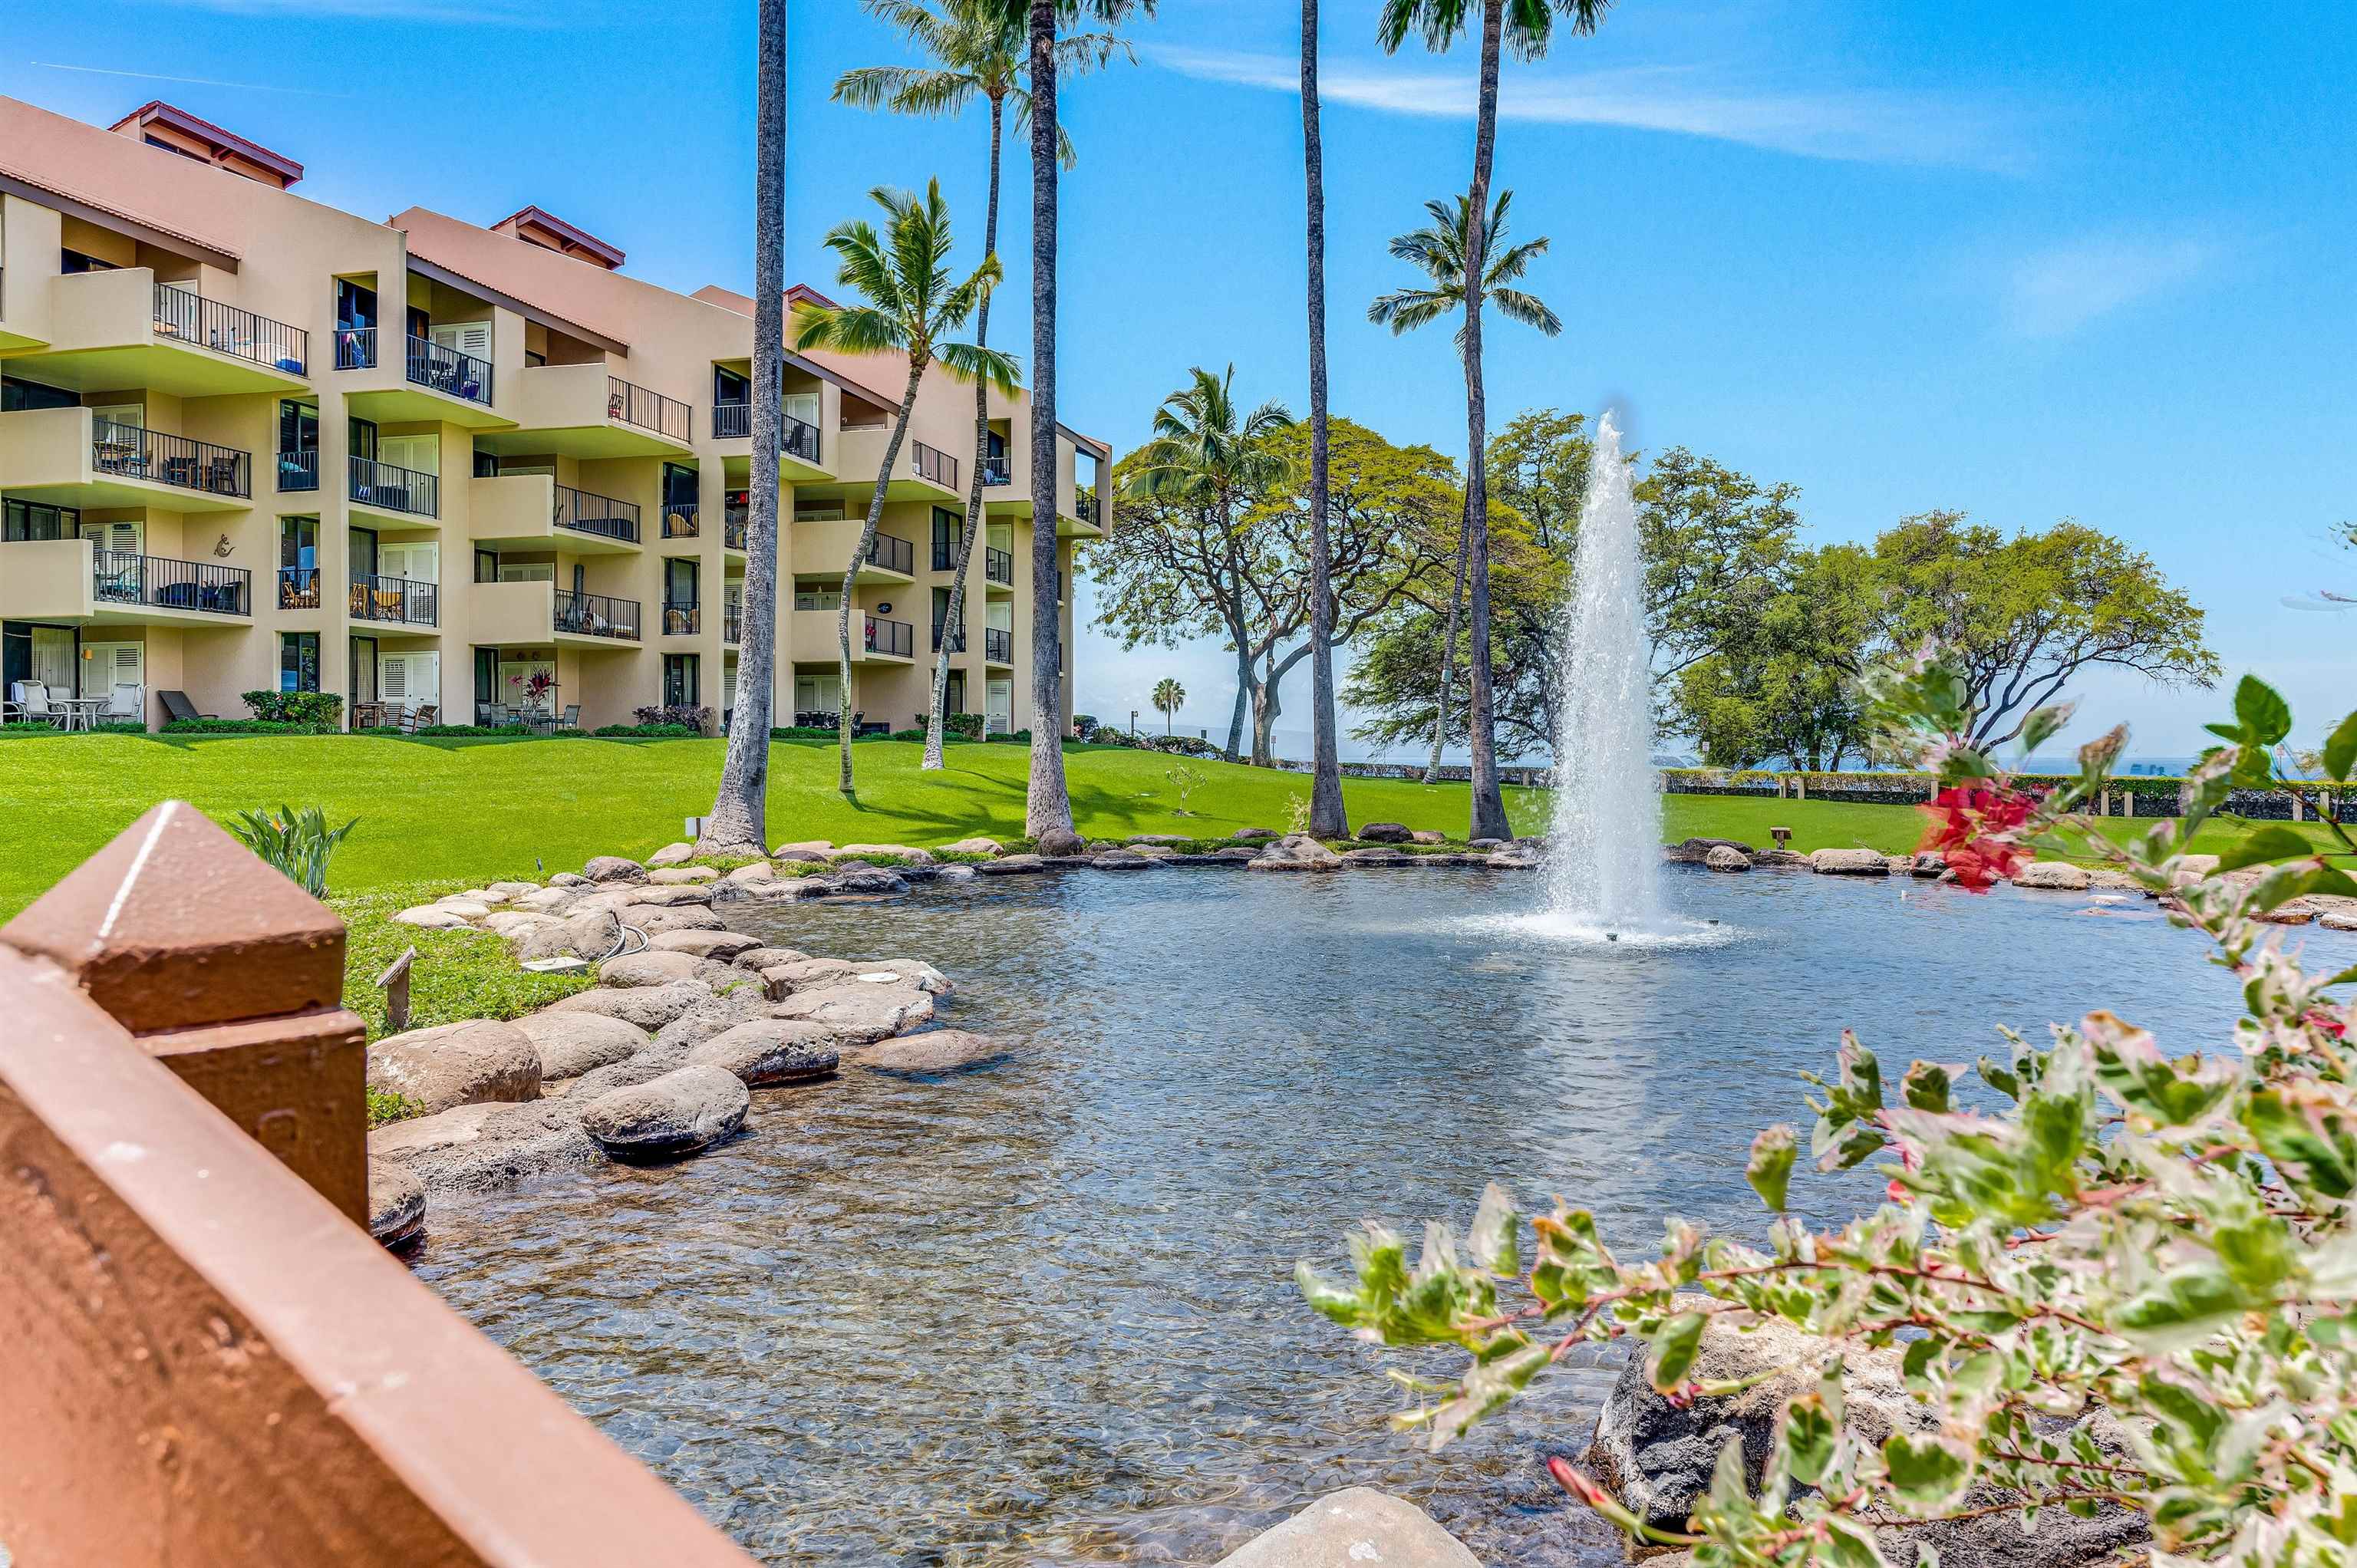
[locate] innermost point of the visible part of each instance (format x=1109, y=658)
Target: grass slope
x=455, y=811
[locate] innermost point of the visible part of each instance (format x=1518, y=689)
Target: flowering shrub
x=2172, y=1238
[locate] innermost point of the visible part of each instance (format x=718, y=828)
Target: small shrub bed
x=245, y=726
x=650, y=731
x=681, y=716
x=296, y=707
x=13, y=730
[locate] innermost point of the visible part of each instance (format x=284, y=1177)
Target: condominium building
x=251, y=442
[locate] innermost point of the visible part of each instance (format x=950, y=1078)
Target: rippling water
x=1043, y=1313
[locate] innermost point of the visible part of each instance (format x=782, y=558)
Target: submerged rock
x=477, y=1061
x=1356, y=1528
x=681, y=1112
x=936, y=1052
x=859, y=1012
x=396, y=1204
x=481, y=1148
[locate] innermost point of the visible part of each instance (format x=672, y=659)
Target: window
x=678, y=485
x=487, y=566
x=298, y=426
x=17, y=394
x=680, y=681
x=355, y=303
x=818, y=596
x=298, y=546
x=161, y=144
x=71, y=262
x=679, y=581
x=946, y=533
x=818, y=511
x=727, y=386
x=298, y=660
x=486, y=680
x=31, y=519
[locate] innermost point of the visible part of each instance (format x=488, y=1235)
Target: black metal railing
x=998, y=565
x=634, y=404
x=679, y=520
x=996, y=471
x=1060, y=586
x=447, y=370
x=731, y=421
x=298, y=470
x=192, y=319
x=298, y=588
x=399, y=599
x=1084, y=506
x=139, y=454
x=957, y=643
x=355, y=347
x=732, y=622
x=893, y=553
x=596, y=615
x=390, y=487
x=893, y=638
x=122, y=578
x=932, y=463
x=681, y=619
x=798, y=438
x=998, y=645
x=606, y=516
x=734, y=523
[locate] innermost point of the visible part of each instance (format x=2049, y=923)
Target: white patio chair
x=32, y=699
x=128, y=701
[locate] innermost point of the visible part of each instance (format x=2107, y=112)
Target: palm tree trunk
x=1329, y=819
x=953, y=617
x=1489, y=812
x=1447, y=662
x=739, y=818
x=918, y=355
x=1049, y=803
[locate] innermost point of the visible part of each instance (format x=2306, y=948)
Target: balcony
x=998, y=567
x=735, y=522
x=890, y=553
x=119, y=580
x=400, y=601
x=586, y=411
x=604, y=516
x=629, y=403
x=298, y=588
x=108, y=331
x=999, y=470
x=67, y=456
x=732, y=622
x=298, y=471
x=132, y=452
x=681, y=619
x=998, y=646
x=934, y=465
x=797, y=440
x=731, y=421
x=957, y=643
x=889, y=639
x=816, y=624
x=920, y=472
x=388, y=489
x=596, y=616
x=432, y=383
x=449, y=371
x=678, y=519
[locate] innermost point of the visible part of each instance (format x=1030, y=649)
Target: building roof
x=541, y=218
x=155, y=110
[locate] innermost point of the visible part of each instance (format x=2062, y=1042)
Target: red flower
x=1972, y=827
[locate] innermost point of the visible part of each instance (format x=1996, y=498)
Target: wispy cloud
x=1857, y=125
x=471, y=13
x=189, y=81
x=2058, y=290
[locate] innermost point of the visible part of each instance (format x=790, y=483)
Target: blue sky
x=2026, y=260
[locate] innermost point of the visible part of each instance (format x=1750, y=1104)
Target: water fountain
x=1605, y=839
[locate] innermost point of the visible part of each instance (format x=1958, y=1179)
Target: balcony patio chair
x=368, y=716
x=572, y=719
x=178, y=706
x=127, y=701
x=420, y=718
x=32, y=701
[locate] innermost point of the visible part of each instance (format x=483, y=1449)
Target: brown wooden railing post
x=228, y=973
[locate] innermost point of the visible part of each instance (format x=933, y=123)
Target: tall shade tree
x=1328, y=816
x=1048, y=803
x=740, y=816
x=912, y=303
x=1169, y=696
x=1525, y=27
x=1438, y=250
x=1206, y=461
x=979, y=51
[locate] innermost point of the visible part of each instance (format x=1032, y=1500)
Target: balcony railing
x=224, y=328
x=397, y=599
x=957, y=643
x=1085, y=507
x=447, y=370
x=634, y=404
x=893, y=638
x=298, y=588
x=998, y=645
x=796, y=438
x=390, y=487
x=138, y=453
x=679, y=520
x=596, y=615
x=732, y=622
x=584, y=512
x=734, y=521
x=122, y=578
x=996, y=471
x=893, y=553
x=998, y=565
x=932, y=463
x=681, y=619
x=731, y=421
x=298, y=470
x=355, y=347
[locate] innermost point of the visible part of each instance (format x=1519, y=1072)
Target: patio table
x=81, y=712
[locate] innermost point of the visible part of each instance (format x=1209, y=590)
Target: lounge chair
x=419, y=717
x=178, y=706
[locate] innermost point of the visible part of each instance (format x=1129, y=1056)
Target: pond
x=1044, y=1313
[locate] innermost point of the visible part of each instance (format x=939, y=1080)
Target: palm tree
x=977, y=50
x=1439, y=248
x=1205, y=456
x=1329, y=819
x=1048, y=803
x=739, y=818
x=914, y=303
x=1525, y=26
x=1169, y=696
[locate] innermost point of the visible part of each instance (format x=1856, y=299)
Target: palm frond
x=970, y=362
x=849, y=330
x=1507, y=265
x=1526, y=308
x=1404, y=310
x=1438, y=21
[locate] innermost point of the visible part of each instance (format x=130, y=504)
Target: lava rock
x=1296, y=852
x=1849, y=863
x=456, y=1064
x=2060, y=875
x=1356, y=1528
x=722, y=945
x=1059, y=840
x=1012, y=865
x=682, y=1112
x=614, y=868
x=1726, y=857
x=1386, y=833
x=570, y=1044
x=859, y=1012
x=936, y=1053
x=767, y=1052
x=648, y=1006
x=671, y=854
x=396, y=1204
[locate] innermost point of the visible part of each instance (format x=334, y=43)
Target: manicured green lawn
x=461, y=811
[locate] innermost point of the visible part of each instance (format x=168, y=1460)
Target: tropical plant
x=1329, y=816
x=1525, y=27
x=1203, y=462
x=1185, y=778
x=977, y=51
x=1438, y=249
x=912, y=303
x=1169, y=696
x=739, y=815
x=2167, y=1238
x=297, y=843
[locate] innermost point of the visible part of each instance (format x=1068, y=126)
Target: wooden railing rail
x=209, y=1359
